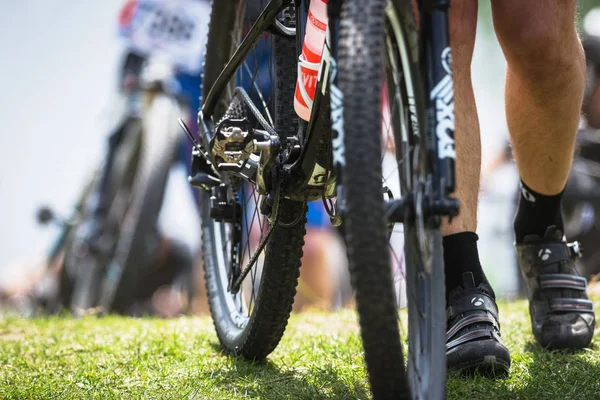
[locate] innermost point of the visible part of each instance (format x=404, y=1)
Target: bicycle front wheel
x=383, y=103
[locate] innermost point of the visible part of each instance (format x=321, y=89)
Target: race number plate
x=173, y=30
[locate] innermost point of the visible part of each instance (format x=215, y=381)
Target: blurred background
x=59, y=68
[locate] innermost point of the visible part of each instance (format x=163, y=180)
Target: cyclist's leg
x=472, y=344
x=460, y=246
x=463, y=25
x=545, y=84
x=130, y=71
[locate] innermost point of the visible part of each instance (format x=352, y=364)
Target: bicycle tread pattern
x=360, y=78
x=283, y=254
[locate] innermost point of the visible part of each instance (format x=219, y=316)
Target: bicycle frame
x=314, y=174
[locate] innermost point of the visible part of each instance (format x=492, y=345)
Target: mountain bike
x=104, y=261
x=384, y=93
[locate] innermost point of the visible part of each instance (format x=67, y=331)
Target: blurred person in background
x=163, y=44
x=162, y=40
x=174, y=33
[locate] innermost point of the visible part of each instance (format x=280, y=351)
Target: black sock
x=460, y=256
x=536, y=212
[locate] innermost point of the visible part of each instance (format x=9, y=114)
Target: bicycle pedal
x=233, y=142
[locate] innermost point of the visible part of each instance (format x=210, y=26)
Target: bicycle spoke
x=256, y=87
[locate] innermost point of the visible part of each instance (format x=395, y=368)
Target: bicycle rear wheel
x=383, y=104
x=251, y=321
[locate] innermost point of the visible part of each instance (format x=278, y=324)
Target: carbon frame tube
x=312, y=176
x=437, y=71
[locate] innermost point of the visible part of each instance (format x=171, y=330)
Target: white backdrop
x=58, y=59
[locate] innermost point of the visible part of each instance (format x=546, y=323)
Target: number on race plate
x=173, y=30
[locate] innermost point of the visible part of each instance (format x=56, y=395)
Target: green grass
x=319, y=357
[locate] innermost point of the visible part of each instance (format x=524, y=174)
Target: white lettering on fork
x=337, y=122
x=443, y=94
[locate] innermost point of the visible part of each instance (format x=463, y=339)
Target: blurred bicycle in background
x=110, y=255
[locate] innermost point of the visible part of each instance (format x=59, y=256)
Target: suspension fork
x=436, y=64
x=436, y=56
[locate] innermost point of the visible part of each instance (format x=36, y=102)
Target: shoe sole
x=486, y=357
x=490, y=366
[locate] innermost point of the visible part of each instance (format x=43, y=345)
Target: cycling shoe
x=473, y=340
x=562, y=316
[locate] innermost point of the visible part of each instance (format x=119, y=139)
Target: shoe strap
x=562, y=281
x=472, y=335
x=476, y=301
x=542, y=254
x=571, y=305
x=470, y=320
